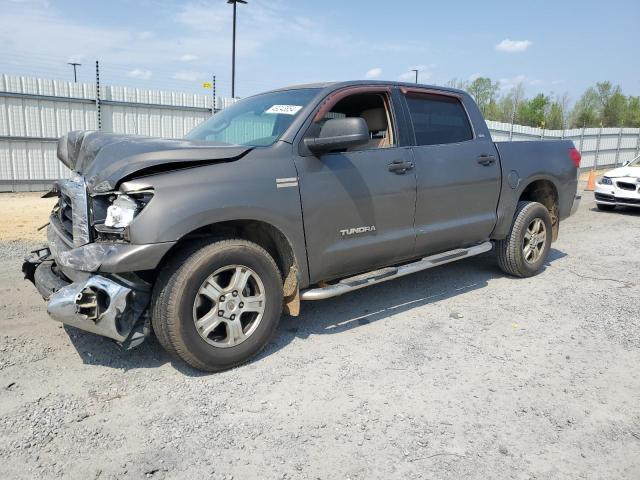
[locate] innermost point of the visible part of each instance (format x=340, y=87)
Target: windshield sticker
x=284, y=109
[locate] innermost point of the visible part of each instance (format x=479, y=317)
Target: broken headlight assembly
x=113, y=213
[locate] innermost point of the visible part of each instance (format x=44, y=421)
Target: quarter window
x=438, y=119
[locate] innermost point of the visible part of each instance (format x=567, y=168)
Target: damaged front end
x=94, y=275
x=92, y=286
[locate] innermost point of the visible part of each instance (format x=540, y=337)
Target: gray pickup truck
x=302, y=193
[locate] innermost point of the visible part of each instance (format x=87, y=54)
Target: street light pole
x=233, y=51
x=414, y=70
x=74, y=65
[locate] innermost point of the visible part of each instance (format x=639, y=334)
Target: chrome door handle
x=400, y=167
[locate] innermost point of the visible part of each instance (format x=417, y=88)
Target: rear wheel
x=526, y=248
x=605, y=207
x=216, y=305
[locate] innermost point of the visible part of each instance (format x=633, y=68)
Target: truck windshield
x=256, y=121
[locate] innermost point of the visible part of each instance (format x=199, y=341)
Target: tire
x=605, y=207
x=513, y=256
x=191, y=287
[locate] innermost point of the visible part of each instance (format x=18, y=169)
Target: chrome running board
x=377, y=276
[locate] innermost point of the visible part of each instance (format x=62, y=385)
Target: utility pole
x=233, y=51
x=74, y=65
x=98, y=106
x=416, y=71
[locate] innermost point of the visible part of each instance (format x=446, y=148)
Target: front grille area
x=70, y=215
x=627, y=186
x=605, y=198
x=610, y=198
x=65, y=214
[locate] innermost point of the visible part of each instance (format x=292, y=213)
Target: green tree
x=533, y=112
x=554, y=117
x=585, y=112
x=509, y=104
x=557, y=111
x=484, y=91
x=612, y=104
x=492, y=112
x=632, y=113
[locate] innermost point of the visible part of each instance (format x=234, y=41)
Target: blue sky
x=550, y=46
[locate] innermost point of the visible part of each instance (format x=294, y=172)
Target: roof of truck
x=349, y=83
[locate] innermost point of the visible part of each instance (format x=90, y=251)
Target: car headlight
x=605, y=181
x=121, y=212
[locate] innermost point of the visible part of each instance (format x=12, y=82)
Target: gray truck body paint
x=447, y=200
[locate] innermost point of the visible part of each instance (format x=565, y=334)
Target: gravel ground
x=456, y=372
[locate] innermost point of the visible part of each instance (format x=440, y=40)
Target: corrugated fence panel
x=42, y=110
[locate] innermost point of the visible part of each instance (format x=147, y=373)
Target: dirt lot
x=458, y=372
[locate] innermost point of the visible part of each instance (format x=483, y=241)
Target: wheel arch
x=537, y=188
x=264, y=234
x=544, y=191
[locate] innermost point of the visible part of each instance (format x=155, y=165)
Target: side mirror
x=338, y=134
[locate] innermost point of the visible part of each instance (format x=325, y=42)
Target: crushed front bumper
x=107, y=306
x=92, y=287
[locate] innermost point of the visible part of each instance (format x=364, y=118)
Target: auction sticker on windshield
x=284, y=109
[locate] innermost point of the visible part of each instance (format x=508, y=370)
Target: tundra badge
x=352, y=231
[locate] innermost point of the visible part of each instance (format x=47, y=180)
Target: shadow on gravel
x=371, y=304
x=331, y=316
x=97, y=350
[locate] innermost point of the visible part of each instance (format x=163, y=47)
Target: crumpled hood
x=106, y=159
x=633, y=172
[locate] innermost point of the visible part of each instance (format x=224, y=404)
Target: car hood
x=620, y=172
x=107, y=159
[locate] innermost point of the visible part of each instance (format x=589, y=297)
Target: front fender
x=247, y=189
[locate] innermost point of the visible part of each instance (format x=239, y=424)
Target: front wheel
x=523, y=252
x=216, y=305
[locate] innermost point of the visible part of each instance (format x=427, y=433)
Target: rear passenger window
x=438, y=119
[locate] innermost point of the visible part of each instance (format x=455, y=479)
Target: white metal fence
x=35, y=112
x=600, y=147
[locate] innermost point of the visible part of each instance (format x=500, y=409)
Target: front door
x=358, y=206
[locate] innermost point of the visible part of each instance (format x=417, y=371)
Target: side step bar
x=377, y=276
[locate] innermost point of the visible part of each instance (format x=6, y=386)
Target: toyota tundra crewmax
x=302, y=193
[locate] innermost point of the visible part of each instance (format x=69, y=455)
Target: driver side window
x=374, y=109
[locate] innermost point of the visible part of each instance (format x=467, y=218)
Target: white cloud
x=189, y=57
x=513, y=46
x=145, y=35
x=373, y=73
x=189, y=76
x=139, y=74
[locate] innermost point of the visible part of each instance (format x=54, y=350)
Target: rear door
x=457, y=172
x=358, y=207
